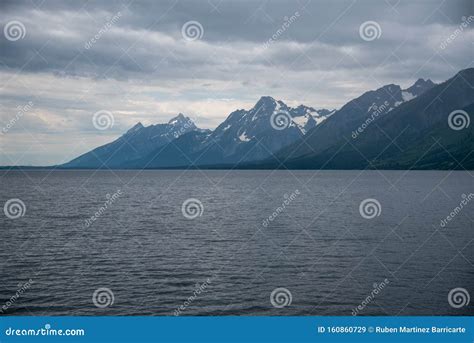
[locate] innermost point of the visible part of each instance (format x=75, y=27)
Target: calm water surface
x=227, y=261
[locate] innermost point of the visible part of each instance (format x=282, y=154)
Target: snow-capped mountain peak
x=246, y=127
x=180, y=120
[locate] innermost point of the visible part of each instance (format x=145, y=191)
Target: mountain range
x=386, y=128
x=244, y=136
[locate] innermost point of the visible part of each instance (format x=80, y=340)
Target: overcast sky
x=69, y=59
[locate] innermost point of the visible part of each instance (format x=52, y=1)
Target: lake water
x=257, y=231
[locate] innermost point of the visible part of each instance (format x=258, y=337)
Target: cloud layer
x=131, y=58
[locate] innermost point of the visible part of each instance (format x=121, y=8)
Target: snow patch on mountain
x=407, y=96
x=301, y=121
x=243, y=138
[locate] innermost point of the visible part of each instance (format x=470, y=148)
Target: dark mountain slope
x=345, y=122
x=397, y=140
x=135, y=143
